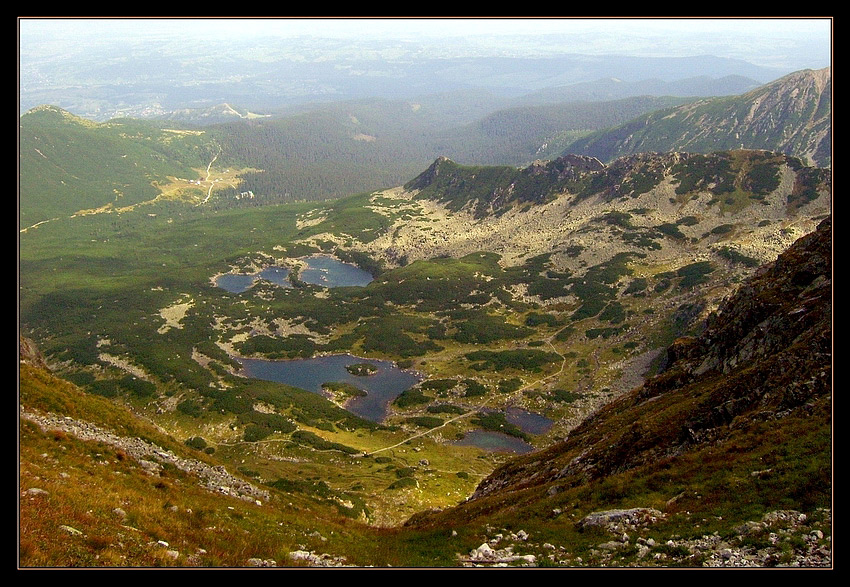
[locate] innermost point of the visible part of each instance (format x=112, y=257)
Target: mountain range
x=665, y=312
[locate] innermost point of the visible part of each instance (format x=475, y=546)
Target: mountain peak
x=427, y=177
x=792, y=115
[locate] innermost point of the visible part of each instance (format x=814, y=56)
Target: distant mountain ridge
x=791, y=115
x=345, y=148
x=612, y=89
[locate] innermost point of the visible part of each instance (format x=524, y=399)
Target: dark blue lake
x=239, y=282
x=320, y=270
x=235, y=282
x=381, y=388
x=276, y=275
x=529, y=422
x=495, y=442
x=329, y=272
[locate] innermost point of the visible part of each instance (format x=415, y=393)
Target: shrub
x=694, y=274
x=403, y=483
x=426, y=421
x=722, y=229
x=190, y=408
x=737, y=257
x=196, y=442
x=445, y=409
x=497, y=422
x=474, y=388
x=564, y=396
x=253, y=433
x=509, y=385
x=411, y=397
x=671, y=230
x=565, y=334
x=535, y=319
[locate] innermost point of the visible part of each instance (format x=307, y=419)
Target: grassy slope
x=70, y=164
x=86, y=481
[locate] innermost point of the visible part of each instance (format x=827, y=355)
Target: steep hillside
x=792, y=115
x=730, y=442
x=518, y=135
x=101, y=486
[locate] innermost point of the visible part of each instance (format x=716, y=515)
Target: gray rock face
x=619, y=520
x=151, y=457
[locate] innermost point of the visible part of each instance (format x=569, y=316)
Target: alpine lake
x=382, y=385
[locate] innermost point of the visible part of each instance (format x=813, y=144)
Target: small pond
x=239, y=282
x=321, y=270
x=235, y=282
x=381, y=388
x=495, y=442
x=329, y=272
x=529, y=422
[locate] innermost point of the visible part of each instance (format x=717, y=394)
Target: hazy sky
x=768, y=41
x=400, y=27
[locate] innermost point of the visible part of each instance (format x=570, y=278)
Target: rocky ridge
x=755, y=544
x=790, y=115
x=584, y=212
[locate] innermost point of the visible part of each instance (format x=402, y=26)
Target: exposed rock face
x=30, y=354
x=784, y=302
x=566, y=167
x=742, y=208
x=620, y=520
x=150, y=456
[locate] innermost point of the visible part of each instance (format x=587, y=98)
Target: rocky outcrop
x=621, y=520
x=152, y=457
x=30, y=355
x=427, y=177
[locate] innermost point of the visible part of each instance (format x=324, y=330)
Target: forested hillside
x=368, y=145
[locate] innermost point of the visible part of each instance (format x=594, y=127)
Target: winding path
x=207, y=178
x=479, y=408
